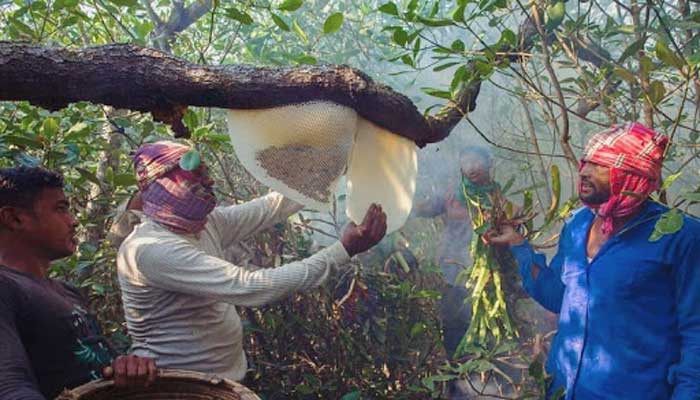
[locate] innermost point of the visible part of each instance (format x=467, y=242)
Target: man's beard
x=595, y=198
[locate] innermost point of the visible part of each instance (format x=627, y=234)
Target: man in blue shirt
x=628, y=302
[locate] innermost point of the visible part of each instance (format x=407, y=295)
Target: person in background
x=627, y=294
x=453, y=249
x=49, y=341
x=179, y=292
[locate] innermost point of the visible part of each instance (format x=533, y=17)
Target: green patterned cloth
x=479, y=193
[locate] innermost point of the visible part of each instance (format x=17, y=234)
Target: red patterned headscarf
x=634, y=154
x=178, y=199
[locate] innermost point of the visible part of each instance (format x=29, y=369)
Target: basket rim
x=180, y=374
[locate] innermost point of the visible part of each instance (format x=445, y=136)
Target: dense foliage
x=552, y=71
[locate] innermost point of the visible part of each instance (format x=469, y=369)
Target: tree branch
x=147, y=80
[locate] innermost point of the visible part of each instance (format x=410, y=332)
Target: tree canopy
x=84, y=83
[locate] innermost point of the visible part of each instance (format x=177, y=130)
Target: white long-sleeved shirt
x=180, y=293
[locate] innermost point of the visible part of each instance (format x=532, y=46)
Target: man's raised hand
x=505, y=235
x=359, y=238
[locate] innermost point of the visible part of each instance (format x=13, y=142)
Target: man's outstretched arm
x=540, y=281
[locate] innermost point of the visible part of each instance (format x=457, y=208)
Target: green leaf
x=434, y=22
x=646, y=66
x=556, y=194
x=670, y=179
x=417, y=329
x=483, y=68
x=437, y=93
x=333, y=23
x=70, y=21
x=445, y=66
x=400, y=37
x=299, y=32
x=290, y=5
x=655, y=235
x=77, y=131
x=50, y=127
x=457, y=45
x=99, y=289
x=490, y=5
x=240, y=16
x=279, y=22
x=508, y=37
x=21, y=27
x=687, y=24
x=61, y=4
x=480, y=230
x=626, y=29
x=191, y=120
x=458, y=78
x=555, y=15
x=625, y=74
x=458, y=13
x=430, y=380
x=435, y=9
x=88, y=175
x=305, y=59
x=124, y=180
x=125, y=3
x=668, y=56
x=389, y=8
x=669, y=223
x=657, y=91
x=694, y=59
x=190, y=161
x=416, y=47
x=144, y=29
x=354, y=395
x=632, y=49
x=304, y=389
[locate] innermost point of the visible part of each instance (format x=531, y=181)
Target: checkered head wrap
x=178, y=199
x=634, y=154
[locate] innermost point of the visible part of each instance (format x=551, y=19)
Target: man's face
x=594, y=183
x=203, y=172
x=207, y=182
x=475, y=168
x=50, y=226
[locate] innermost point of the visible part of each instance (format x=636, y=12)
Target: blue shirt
x=629, y=320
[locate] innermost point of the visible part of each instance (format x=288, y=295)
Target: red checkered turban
x=634, y=154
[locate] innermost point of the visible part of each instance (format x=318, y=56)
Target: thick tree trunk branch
x=142, y=79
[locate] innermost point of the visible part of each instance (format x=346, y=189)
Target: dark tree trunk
x=143, y=79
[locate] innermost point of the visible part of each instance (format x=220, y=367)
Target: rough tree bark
x=143, y=79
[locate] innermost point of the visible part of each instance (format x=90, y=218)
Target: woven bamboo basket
x=171, y=384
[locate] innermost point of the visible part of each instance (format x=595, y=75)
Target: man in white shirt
x=178, y=290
